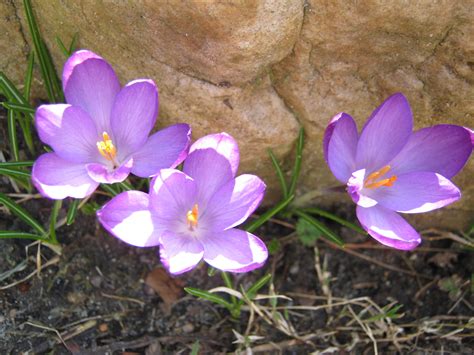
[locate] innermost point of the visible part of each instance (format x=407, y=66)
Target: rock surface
x=351, y=55
x=13, y=46
x=259, y=69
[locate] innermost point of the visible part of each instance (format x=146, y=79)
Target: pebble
x=188, y=328
x=96, y=281
x=12, y=313
x=103, y=327
x=294, y=269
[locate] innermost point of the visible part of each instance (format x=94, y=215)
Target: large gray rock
x=259, y=69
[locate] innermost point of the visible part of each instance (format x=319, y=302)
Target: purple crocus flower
x=101, y=134
x=192, y=214
x=389, y=169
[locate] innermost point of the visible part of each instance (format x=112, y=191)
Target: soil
x=95, y=295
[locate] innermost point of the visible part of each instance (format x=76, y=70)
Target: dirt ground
x=101, y=296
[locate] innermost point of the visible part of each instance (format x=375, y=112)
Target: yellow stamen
x=107, y=148
x=192, y=217
x=371, y=183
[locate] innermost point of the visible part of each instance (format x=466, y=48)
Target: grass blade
x=298, y=159
x=50, y=78
x=208, y=296
x=67, y=52
x=54, y=218
x=252, y=226
x=29, y=76
x=72, y=45
x=335, y=218
x=125, y=186
x=62, y=47
x=329, y=234
x=72, y=211
x=15, y=173
x=10, y=90
x=28, y=111
x=228, y=283
x=281, y=176
x=21, y=177
x=18, y=107
x=25, y=125
x=15, y=97
x=110, y=189
x=12, y=137
x=22, y=213
x=16, y=164
x=252, y=291
x=195, y=348
x=19, y=235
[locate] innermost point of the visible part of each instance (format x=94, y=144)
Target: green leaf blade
x=252, y=291
x=50, y=78
x=208, y=296
x=29, y=76
x=329, y=234
x=16, y=164
x=297, y=166
x=279, y=172
x=54, y=218
x=19, y=235
x=21, y=213
x=15, y=173
x=12, y=137
x=252, y=226
x=72, y=211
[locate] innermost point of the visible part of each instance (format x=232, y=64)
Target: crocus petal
x=173, y=193
x=471, y=133
x=416, y=193
x=127, y=216
x=234, y=202
x=442, y=149
x=212, y=162
x=57, y=178
x=234, y=250
x=180, y=253
x=133, y=115
x=69, y=131
x=340, y=143
x=223, y=144
x=328, y=133
x=166, y=148
x=385, y=133
x=388, y=227
x=355, y=189
x=106, y=175
x=90, y=83
x=76, y=58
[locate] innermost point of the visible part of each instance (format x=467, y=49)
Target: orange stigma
x=192, y=217
x=371, y=183
x=107, y=148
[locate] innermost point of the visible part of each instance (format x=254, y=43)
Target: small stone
x=12, y=313
x=76, y=297
x=294, y=269
x=188, y=328
x=96, y=281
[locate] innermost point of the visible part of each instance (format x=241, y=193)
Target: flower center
x=192, y=217
x=107, y=148
x=372, y=183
